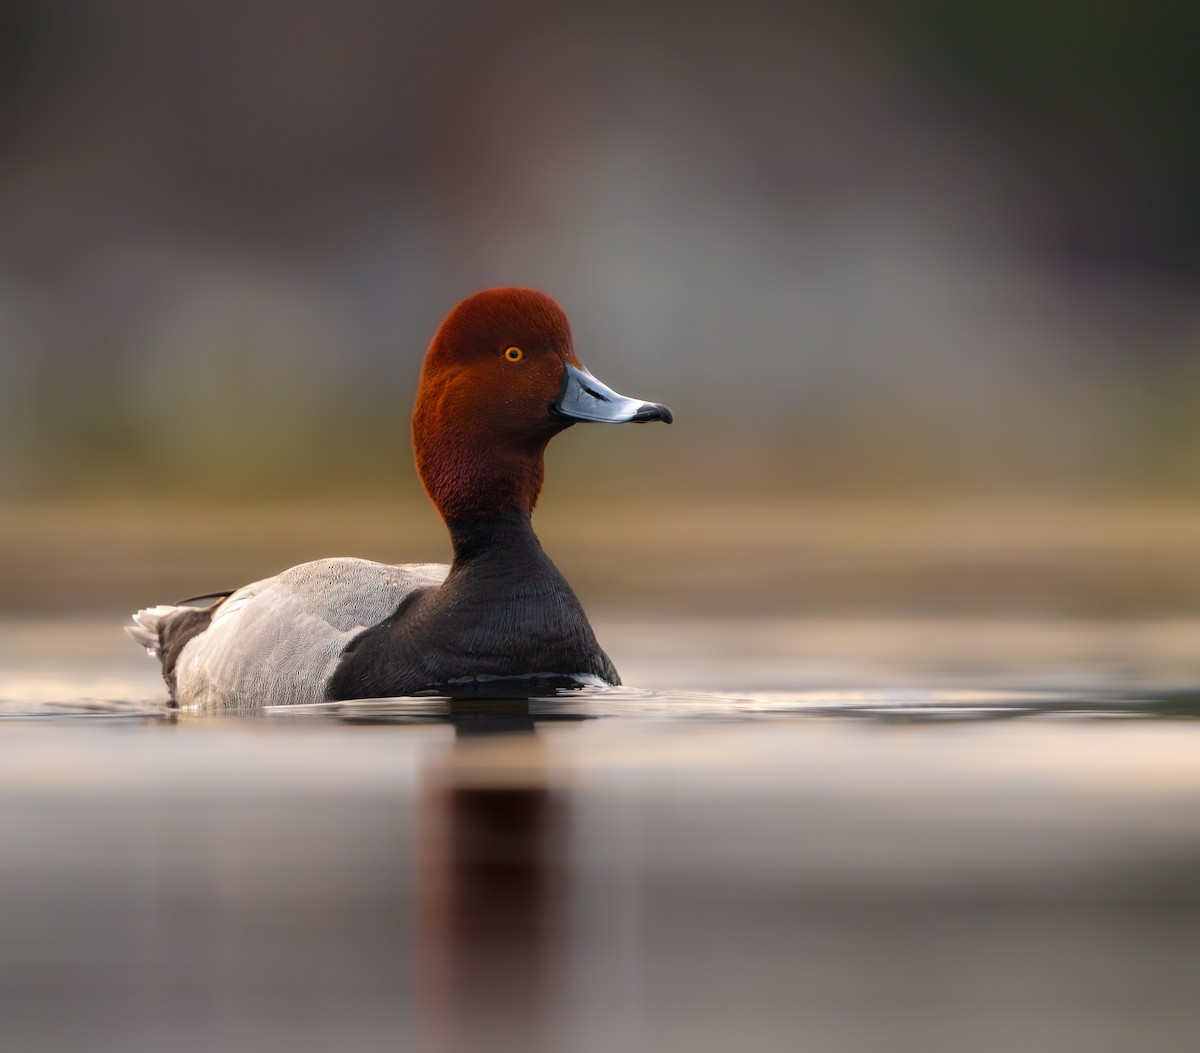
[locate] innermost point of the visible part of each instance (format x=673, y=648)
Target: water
x=902, y=835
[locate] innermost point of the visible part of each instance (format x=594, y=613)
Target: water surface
x=846, y=835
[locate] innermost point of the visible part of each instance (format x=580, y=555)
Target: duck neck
x=471, y=480
x=484, y=544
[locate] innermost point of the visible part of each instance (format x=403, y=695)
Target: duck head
x=499, y=381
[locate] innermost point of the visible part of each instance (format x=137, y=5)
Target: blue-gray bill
x=584, y=398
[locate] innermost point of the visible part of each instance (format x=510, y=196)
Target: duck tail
x=149, y=623
x=146, y=627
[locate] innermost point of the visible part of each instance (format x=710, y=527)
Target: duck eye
x=514, y=354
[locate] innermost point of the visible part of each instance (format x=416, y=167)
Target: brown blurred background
x=919, y=278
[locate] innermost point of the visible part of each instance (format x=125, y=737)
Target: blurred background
x=918, y=277
x=920, y=280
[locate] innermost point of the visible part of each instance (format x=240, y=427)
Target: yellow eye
x=514, y=354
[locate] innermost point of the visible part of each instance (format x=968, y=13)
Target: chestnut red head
x=499, y=381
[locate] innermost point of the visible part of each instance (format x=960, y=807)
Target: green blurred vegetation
x=1105, y=90
x=247, y=432
x=646, y=555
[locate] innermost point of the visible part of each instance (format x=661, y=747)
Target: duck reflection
x=491, y=892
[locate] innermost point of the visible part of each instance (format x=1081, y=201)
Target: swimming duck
x=499, y=380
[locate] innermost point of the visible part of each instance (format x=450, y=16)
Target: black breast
x=504, y=610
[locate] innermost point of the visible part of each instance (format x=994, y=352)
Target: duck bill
x=584, y=398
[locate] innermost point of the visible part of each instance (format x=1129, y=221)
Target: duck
x=499, y=380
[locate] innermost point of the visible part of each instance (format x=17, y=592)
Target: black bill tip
x=652, y=411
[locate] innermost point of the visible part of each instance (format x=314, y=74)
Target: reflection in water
x=856, y=868
x=489, y=894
